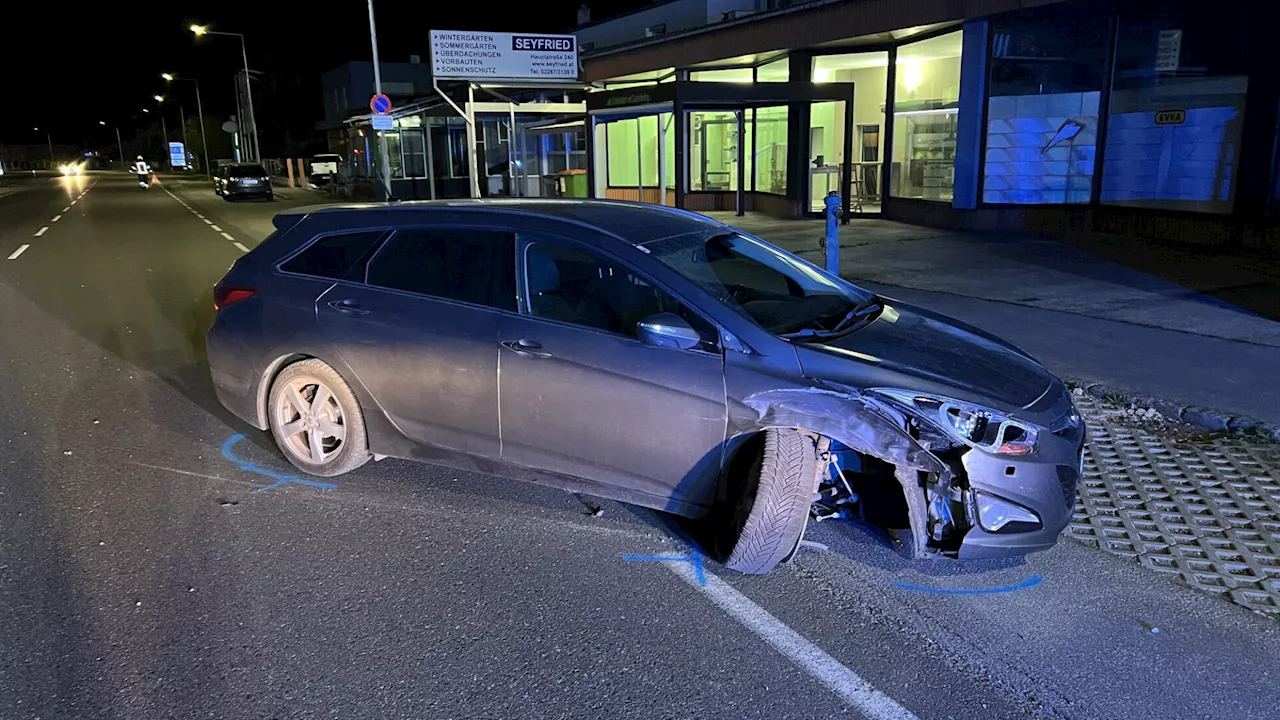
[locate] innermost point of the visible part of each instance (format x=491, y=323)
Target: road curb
x=1194, y=415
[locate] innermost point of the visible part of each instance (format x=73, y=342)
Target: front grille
x=1068, y=476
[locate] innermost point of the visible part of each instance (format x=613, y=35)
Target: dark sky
x=67, y=66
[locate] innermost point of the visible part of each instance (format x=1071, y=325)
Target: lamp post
x=49, y=139
x=204, y=143
x=119, y=143
x=199, y=30
x=164, y=129
x=383, y=158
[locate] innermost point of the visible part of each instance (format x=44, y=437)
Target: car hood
x=911, y=348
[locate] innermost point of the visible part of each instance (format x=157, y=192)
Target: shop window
x=735, y=75
x=714, y=146
x=415, y=153
x=776, y=71
x=1177, y=107
x=926, y=102
x=1047, y=70
x=624, y=162
x=632, y=153
x=393, y=154
x=771, y=150
x=869, y=73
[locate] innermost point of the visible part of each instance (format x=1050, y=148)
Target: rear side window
x=333, y=256
x=472, y=266
x=243, y=171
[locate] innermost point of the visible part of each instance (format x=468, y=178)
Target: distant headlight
x=65, y=169
x=973, y=425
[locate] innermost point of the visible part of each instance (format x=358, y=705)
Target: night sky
x=67, y=67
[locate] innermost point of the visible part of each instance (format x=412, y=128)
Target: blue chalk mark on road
x=1028, y=583
x=693, y=558
x=253, y=468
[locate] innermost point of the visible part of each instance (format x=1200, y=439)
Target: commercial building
x=1056, y=116
x=1053, y=115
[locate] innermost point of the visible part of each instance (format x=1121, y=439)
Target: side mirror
x=667, y=330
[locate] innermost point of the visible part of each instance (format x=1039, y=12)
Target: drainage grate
x=1204, y=508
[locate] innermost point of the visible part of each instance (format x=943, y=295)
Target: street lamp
x=164, y=127
x=204, y=143
x=49, y=139
x=119, y=143
x=201, y=30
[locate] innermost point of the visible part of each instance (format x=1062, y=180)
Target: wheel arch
x=273, y=369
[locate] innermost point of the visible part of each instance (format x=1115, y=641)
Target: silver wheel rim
x=310, y=421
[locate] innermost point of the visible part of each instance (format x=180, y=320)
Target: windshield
x=241, y=171
x=778, y=291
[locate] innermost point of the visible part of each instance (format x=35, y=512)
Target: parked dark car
x=242, y=180
x=645, y=354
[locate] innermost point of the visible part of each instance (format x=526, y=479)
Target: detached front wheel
x=772, y=508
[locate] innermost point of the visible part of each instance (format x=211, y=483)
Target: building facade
x=1122, y=116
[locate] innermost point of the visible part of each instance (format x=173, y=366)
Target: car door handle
x=348, y=307
x=527, y=348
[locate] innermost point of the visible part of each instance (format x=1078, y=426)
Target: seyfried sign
x=466, y=55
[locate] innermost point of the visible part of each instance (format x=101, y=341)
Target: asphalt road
x=156, y=564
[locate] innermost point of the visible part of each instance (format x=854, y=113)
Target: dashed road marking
x=73, y=202
x=241, y=247
x=207, y=221
x=42, y=231
x=18, y=252
x=66, y=209
x=56, y=218
x=215, y=227
x=228, y=236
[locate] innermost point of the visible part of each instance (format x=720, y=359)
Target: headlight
x=973, y=425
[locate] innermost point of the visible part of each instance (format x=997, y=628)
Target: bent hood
x=914, y=349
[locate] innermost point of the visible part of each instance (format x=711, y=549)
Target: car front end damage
x=944, y=478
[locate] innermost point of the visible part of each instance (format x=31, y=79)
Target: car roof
x=634, y=222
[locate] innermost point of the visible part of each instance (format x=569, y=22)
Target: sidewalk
x=1088, y=319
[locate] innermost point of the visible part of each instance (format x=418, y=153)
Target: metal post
x=164, y=128
x=49, y=138
x=472, y=165
x=182, y=118
x=431, y=160
x=740, y=197
x=239, y=133
x=120, y=145
x=639, y=163
x=513, y=150
x=248, y=93
x=383, y=158
x=662, y=161
x=204, y=142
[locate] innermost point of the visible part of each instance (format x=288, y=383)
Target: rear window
x=239, y=171
x=333, y=256
x=472, y=266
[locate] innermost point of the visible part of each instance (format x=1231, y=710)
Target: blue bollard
x=833, y=205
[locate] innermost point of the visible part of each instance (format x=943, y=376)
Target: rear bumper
x=235, y=391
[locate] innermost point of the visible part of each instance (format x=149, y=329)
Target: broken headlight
x=972, y=425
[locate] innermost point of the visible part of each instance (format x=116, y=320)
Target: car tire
x=773, y=508
x=292, y=427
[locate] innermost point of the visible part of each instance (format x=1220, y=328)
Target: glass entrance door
x=639, y=154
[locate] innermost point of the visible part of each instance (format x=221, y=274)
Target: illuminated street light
x=159, y=98
x=167, y=76
x=146, y=110
x=103, y=123
x=199, y=30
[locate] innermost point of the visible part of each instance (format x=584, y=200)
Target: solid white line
x=56, y=218
x=42, y=231
x=241, y=247
x=215, y=227
x=18, y=252
x=228, y=236
x=809, y=657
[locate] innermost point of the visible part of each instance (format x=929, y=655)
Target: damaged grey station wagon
x=648, y=355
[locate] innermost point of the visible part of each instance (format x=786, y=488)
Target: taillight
x=224, y=295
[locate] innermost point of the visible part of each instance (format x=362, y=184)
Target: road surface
x=157, y=558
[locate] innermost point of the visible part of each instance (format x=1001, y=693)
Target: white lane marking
x=56, y=218
x=809, y=657
x=18, y=252
x=42, y=231
x=207, y=221
x=241, y=247
x=66, y=209
x=228, y=236
x=215, y=227
x=199, y=215
x=73, y=202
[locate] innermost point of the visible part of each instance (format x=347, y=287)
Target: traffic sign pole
x=383, y=157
